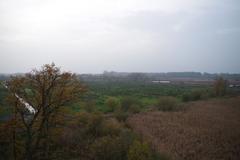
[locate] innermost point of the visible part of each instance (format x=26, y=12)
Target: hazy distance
x=120, y=35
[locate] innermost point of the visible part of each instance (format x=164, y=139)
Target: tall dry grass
x=208, y=130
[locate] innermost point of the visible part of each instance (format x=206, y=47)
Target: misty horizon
x=127, y=72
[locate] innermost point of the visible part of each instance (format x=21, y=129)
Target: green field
x=146, y=94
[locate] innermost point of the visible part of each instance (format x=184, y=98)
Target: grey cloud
x=203, y=36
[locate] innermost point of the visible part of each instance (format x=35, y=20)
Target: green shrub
x=91, y=124
x=113, y=147
x=139, y=151
x=121, y=116
x=167, y=103
x=186, y=97
x=95, y=125
x=220, y=86
x=106, y=148
x=192, y=96
x=197, y=94
x=100, y=138
x=158, y=156
x=134, y=108
x=127, y=137
x=127, y=102
x=112, y=104
x=90, y=106
x=111, y=127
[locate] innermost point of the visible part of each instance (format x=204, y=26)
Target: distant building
x=162, y=82
x=234, y=85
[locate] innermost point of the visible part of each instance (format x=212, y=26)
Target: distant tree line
x=140, y=76
x=146, y=76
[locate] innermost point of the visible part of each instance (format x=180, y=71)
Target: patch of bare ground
x=206, y=130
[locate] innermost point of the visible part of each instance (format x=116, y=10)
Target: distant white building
x=163, y=82
x=234, y=85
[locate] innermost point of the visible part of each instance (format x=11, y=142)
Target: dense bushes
x=139, y=151
x=192, y=96
x=197, y=94
x=88, y=136
x=167, y=103
x=94, y=137
x=220, y=86
x=121, y=104
x=107, y=148
x=121, y=116
x=112, y=104
x=113, y=147
x=127, y=102
x=90, y=106
x=128, y=105
x=134, y=108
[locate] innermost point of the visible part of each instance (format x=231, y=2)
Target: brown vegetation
x=47, y=90
x=205, y=130
x=220, y=86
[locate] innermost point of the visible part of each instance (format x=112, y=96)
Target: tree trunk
x=29, y=145
x=14, y=133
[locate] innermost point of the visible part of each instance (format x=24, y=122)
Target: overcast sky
x=121, y=35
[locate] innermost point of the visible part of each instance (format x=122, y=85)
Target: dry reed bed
x=206, y=130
